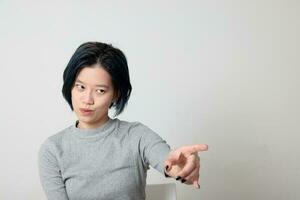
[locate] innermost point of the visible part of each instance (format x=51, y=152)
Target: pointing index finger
x=187, y=150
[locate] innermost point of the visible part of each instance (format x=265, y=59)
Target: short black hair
x=111, y=59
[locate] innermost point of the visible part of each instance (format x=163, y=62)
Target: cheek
x=75, y=99
x=104, y=102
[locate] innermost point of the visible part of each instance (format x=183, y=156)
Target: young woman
x=99, y=157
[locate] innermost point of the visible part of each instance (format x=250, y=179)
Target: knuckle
x=183, y=174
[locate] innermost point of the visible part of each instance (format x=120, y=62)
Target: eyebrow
x=100, y=85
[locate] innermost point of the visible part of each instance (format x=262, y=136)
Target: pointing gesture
x=184, y=164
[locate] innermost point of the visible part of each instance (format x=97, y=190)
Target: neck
x=84, y=125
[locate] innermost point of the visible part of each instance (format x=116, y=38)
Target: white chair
x=161, y=191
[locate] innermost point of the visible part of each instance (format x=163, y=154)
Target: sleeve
x=50, y=174
x=153, y=149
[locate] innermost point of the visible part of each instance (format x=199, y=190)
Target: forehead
x=94, y=75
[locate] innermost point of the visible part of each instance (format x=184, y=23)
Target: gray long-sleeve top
x=109, y=162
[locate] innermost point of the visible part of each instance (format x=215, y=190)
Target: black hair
x=111, y=59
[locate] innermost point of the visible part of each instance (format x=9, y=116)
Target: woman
x=99, y=157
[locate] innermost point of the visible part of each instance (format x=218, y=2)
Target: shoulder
x=133, y=127
x=54, y=142
x=137, y=129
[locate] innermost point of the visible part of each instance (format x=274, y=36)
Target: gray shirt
x=109, y=162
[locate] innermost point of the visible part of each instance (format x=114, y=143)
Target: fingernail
x=166, y=175
x=183, y=180
x=167, y=167
x=178, y=178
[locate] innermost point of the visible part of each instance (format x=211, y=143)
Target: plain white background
x=224, y=73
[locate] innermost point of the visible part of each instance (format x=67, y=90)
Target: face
x=92, y=94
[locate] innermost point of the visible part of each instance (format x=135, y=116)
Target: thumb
x=173, y=159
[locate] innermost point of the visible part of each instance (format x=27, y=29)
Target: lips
x=86, y=111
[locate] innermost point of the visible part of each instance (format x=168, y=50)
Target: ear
x=116, y=96
x=114, y=100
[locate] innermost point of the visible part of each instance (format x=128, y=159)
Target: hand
x=184, y=164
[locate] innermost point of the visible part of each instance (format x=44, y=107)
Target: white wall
x=225, y=73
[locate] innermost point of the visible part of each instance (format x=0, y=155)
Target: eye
x=100, y=91
x=79, y=87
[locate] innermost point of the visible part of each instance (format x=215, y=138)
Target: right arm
x=50, y=174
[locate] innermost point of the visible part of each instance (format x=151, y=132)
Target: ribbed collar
x=96, y=133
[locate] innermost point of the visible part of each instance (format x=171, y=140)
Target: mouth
x=86, y=111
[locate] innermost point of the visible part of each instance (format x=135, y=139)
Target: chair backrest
x=161, y=191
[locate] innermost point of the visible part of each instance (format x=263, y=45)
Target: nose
x=88, y=98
